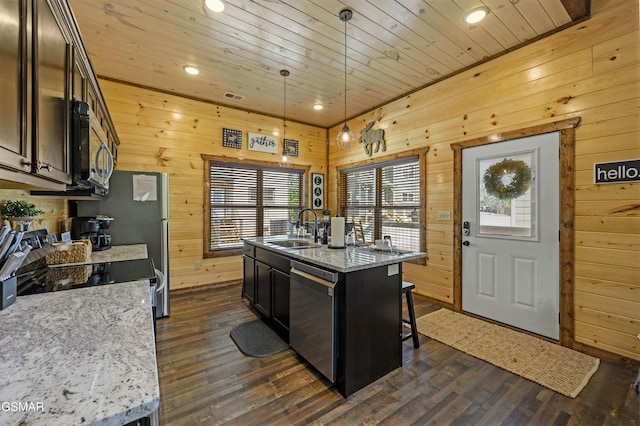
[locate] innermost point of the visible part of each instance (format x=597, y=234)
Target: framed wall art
x=290, y=147
x=232, y=138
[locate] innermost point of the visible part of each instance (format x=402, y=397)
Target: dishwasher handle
x=313, y=278
x=323, y=274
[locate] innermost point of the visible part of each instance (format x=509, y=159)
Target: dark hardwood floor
x=204, y=379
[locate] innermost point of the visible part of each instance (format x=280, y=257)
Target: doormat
x=256, y=339
x=560, y=369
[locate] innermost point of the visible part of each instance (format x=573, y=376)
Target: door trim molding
x=566, y=128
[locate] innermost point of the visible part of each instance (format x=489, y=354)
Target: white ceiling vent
x=233, y=96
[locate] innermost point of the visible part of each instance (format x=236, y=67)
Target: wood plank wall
x=55, y=208
x=165, y=133
x=588, y=71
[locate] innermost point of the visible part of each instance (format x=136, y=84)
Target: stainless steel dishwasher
x=312, y=315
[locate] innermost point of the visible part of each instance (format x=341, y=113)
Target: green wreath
x=521, y=178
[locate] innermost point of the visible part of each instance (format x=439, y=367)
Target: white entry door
x=510, y=251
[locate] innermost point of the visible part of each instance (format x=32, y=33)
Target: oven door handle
x=161, y=281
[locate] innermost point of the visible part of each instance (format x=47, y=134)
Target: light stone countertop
x=348, y=259
x=79, y=357
x=114, y=254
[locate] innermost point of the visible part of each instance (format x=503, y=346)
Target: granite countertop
x=79, y=357
x=348, y=259
x=114, y=254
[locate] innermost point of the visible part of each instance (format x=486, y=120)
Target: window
x=248, y=200
x=385, y=198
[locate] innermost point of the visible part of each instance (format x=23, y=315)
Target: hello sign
x=617, y=172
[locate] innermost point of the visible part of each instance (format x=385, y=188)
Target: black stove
x=52, y=278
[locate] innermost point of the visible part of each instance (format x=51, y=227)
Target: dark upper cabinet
x=52, y=87
x=43, y=65
x=79, y=84
x=92, y=98
x=15, y=148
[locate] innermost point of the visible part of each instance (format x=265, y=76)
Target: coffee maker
x=92, y=228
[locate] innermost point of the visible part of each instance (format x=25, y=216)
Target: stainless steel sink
x=394, y=251
x=299, y=244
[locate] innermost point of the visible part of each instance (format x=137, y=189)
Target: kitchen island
x=79, y=357
x=363, y=324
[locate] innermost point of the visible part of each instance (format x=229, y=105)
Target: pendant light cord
x=285, y=74
x=345, y=137
x=284, y=112
x=345, y=72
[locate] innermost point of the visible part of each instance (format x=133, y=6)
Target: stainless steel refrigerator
x=139, y=204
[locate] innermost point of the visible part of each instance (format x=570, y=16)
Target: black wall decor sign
x=291, y=147
x=617, y=171
x=317, y=190
x=232, y=138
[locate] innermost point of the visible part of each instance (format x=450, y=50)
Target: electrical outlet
x=197, y=266
x=444, y=215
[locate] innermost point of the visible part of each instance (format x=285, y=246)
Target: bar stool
x=406, y=290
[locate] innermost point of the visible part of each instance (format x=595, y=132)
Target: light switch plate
x=444, y=215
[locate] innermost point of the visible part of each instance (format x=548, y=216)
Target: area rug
x=558, y=368
x=256, y=339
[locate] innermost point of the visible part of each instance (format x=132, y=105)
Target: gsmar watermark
x=21, y=406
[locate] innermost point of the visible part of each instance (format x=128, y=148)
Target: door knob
x=465, y=243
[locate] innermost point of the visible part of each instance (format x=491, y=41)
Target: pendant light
x=284, y=159
x=345, y=138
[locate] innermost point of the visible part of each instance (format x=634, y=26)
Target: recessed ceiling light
x=476, y=15
x=214, y=5
x=190, y=69
x=318, y=107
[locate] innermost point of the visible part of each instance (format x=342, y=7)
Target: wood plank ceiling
x=393, y=47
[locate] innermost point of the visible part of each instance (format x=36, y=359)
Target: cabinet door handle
x=44, y=166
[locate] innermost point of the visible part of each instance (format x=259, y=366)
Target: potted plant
x=20, y=213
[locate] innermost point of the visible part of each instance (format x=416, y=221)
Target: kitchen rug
x=560, y=369
x=256, y=339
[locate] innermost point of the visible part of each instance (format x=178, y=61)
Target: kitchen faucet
x=315, y=222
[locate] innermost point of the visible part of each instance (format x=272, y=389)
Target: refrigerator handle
x=165, y=246
x=164, y=180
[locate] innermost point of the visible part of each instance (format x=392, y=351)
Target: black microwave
x=91, y=159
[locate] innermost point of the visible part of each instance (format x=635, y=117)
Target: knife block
x=8, y=290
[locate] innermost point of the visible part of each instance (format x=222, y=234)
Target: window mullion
x=377, y=211
x=260, y=203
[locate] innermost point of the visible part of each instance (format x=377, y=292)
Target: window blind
x=249, y=201
x=384, y=199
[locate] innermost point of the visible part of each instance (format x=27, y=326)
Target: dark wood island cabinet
x=367, y=300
